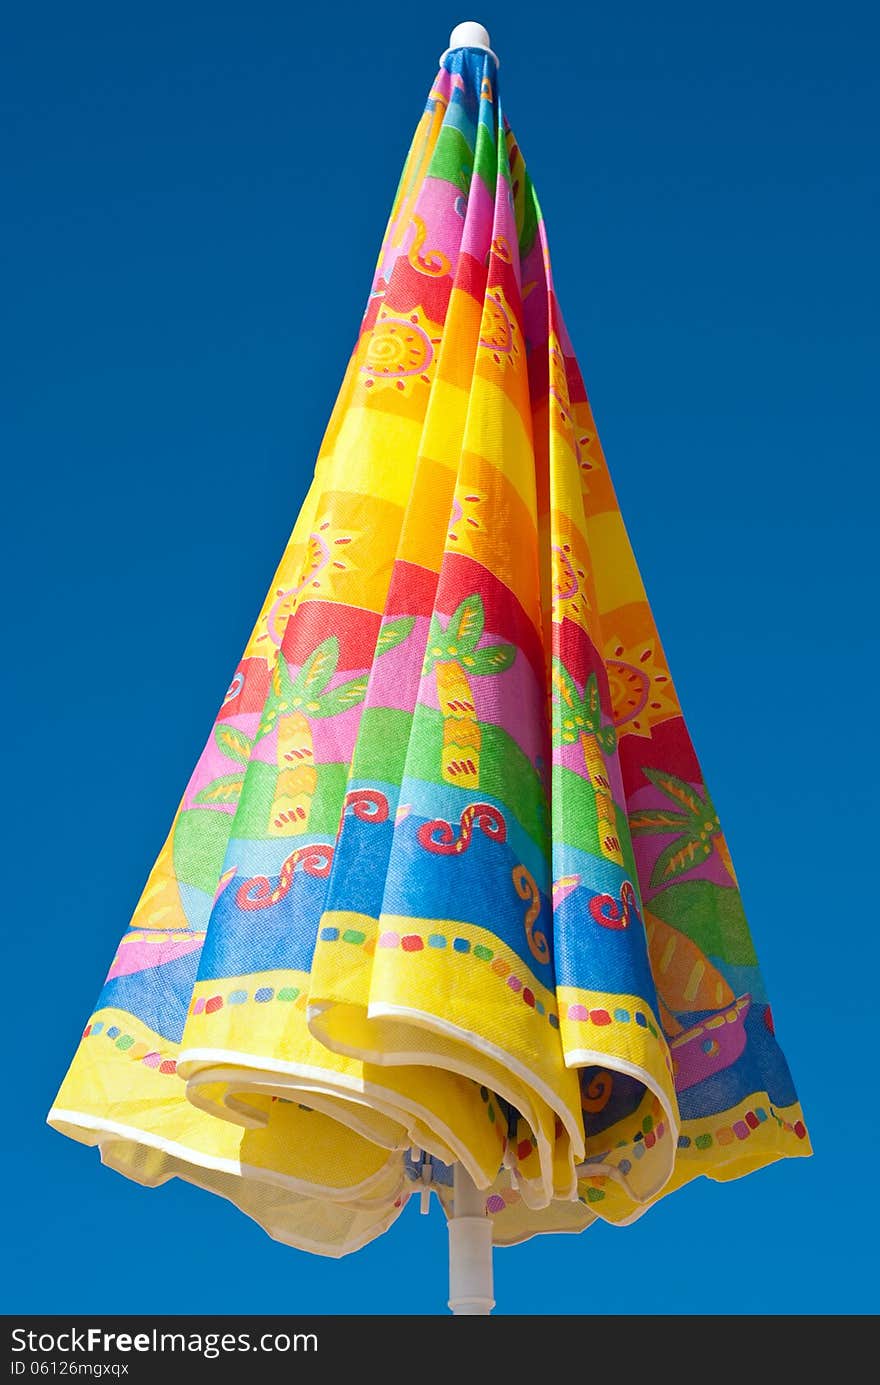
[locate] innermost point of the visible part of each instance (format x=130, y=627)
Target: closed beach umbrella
x=446, y=905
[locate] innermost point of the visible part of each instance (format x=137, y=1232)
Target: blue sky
x=195, y=198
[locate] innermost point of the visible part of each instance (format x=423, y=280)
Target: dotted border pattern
x=741, y=1129
x=141, y=1052
x=134, y=1049
x=652, y=1128
x=582, y=1015
x=288, y=995
x=414, y=942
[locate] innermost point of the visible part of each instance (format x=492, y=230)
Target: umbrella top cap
x=470, y=35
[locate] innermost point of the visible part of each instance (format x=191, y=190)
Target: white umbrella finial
x=470, y=35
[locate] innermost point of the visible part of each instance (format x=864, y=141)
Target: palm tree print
x=453, y=655
x=235, y=746
x=579, y=719
x=695, y=823
x=291, y=706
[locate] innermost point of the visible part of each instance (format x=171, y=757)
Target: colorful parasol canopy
x=446, y=886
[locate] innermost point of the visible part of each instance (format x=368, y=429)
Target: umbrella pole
x=470, y=1249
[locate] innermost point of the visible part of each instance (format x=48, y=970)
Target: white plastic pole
x=470, y=1249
